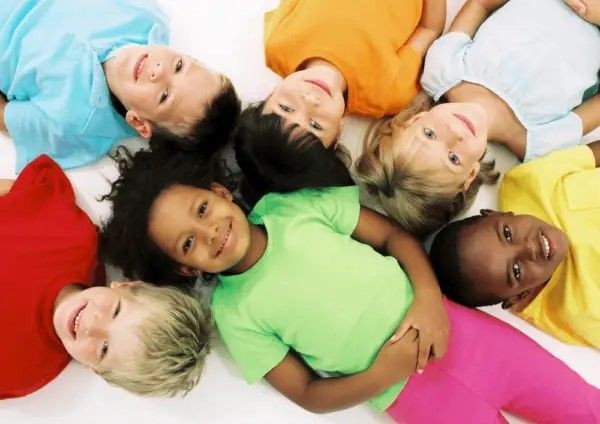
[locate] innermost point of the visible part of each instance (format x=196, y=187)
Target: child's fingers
x=577, y=5
x=401, y=331
x=424, y=351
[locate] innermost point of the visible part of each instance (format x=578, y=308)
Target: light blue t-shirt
x=51, y=55
x=539, y=56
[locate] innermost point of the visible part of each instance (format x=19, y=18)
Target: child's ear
x=221, y=191
x=141, y=125
x=188, y=271
x=472, y=175
x=519, y=301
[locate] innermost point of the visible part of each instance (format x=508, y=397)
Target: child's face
x=446, y=142
x=202, y=230
x=158, y=84
x=97, y=326
x=510, y=254
x=309, y=98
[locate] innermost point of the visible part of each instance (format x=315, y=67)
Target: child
x=49, y=312
x=540, y=263
x=75, y=83
x=322, y=69
x=338, y=302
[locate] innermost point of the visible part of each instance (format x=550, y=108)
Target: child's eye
x=516, y=270
x=103, y=350
x=508, y=236
x=314, y=124
x=163, y=96
x=202, y=209
x=187, y=244
x=178, y=66
x=117, y=310
x=453, y=157
x=429, y=133
x=285, y=108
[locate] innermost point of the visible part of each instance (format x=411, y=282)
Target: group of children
x=311, y=282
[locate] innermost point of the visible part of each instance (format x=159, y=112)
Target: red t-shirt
x=46, y=243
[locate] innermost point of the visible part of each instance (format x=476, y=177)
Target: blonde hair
x=418, y=202
x=175, y=336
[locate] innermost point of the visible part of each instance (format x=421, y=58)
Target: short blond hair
x=175, y=335
x=415, y=200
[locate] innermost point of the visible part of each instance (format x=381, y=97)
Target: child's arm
x=427, y=313
x=431, y=26
x=587, y=9
x=589, y=113
x=3, y=103
x=5, y=186
x=394, y=363
x=472, y=14
x=595, y=146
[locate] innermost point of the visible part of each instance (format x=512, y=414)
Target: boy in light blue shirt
x=79, y=76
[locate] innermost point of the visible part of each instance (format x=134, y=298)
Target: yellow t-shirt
x=364, y=39
x=563, y=189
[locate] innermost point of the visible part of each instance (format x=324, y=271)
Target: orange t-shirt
x=364, y=39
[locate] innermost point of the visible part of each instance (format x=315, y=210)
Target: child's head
x=275, y=157
x=146, y=339
x=313, y=99
x=164, y=208
x=425, y=164
x=497, y=257
x=160, y=90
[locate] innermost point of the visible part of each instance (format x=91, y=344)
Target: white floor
x=227, y=35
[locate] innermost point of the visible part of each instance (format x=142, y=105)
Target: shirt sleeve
x=340, y=206
x=555, y=135
x=254, y=351
x=444, y=63
x=42, y=179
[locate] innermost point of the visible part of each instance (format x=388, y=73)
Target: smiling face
x=510, y=255
x=158, y=84
x=98, y=325
x=202, y=230
x=446, y=142
x=313, y=99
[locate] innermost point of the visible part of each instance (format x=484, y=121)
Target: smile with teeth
x=545, y=245
x=75, y=328
x=224, y=242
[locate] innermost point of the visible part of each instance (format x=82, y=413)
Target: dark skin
x=423, y=333
x=520, y=256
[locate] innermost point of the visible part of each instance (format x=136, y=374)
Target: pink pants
x=491, y=366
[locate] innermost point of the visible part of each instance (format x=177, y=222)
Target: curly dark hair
x=124, y=240
x=278, y=158
x=446, y=261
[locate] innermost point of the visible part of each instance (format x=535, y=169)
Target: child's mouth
x=546, y=245
x=73, y=321
x=139, y=66
x=225, y=240
x=467, y=123
x=321, y=85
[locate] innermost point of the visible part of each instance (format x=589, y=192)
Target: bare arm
x=431, y=25
x=5, y=186
x=300, y=384
x=595, y=146
x=589, y=113
x=427, y=313
x=3, y=103
x=472, y=14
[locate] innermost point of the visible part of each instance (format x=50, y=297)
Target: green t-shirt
x=316, y=290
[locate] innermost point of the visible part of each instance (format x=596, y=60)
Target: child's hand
x=587, y=9
x=396, y=360
x=428, y=316
x=3, y=103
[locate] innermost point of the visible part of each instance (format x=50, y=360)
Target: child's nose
x=310, y=98
x=156, y=72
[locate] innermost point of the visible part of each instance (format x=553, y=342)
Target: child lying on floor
x=540, y=256
x=130, y=333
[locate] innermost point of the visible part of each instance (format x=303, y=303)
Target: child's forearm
x=472, y=14
x=589, y=113
x=431, y=26
x=5, y=186
x=3, y=103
